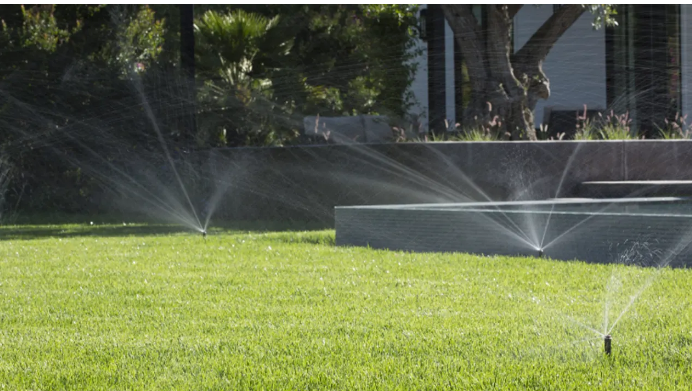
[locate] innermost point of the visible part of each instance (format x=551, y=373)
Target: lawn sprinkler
x=540, y=253
x=607, y=344
x=204, y=234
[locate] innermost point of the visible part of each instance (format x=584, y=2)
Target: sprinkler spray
x=607, y=344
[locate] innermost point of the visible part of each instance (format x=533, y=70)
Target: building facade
x=640, y=67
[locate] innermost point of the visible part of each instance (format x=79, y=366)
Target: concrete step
x=629, y=189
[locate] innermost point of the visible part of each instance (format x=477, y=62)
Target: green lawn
x=147, y=307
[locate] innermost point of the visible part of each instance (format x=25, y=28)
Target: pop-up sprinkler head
x=607, y=344
x=204, y=234
x=540, y=253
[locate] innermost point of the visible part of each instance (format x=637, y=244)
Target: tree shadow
x=315, y=238
x=72, y=230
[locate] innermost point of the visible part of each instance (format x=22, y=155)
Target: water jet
x=512, y=228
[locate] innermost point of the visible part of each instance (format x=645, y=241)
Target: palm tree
x=236, y=53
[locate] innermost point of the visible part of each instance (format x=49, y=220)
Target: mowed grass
x=146, y=307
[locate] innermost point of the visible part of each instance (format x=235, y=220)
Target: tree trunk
x=505, y=88
x=498, y=100
x=511, y=95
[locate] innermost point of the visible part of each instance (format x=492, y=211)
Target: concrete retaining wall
x=657, y=235
x=306, y=183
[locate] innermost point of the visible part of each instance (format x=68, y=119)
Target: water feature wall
x=306, y=183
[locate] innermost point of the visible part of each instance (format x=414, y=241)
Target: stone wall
x=305, y=183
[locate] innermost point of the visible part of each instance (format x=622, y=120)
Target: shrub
x=542, y=133
x=616, y=127
x=612, y=127
x=675, y=129
x=586, y=128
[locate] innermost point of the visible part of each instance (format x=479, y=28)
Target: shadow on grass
x=317, y=238
x=75, y=227
x=71, y=231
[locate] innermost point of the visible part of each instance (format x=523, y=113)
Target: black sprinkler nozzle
x=540, y=253
x=204, y=234
x=608, y=344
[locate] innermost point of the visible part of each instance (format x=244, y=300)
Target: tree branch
x=539, y=45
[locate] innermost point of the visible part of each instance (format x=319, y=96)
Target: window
x=643, y=65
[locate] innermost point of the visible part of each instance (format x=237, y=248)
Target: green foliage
x=31, y=36
x=63, y=69
x=604, y=14
x=612, y=127
x=236, y=38
x=543, y=134
x=487, y=128
x=477, y=134
x=409, y=128
x=586, y=128
x=349, y=49
x=40, y=29
x=75, y=77
x=235, y=52
x=139, y=41
x=288, y=61
x=677, y=128
x=616, y=127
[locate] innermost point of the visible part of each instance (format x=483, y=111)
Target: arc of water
x=161, y=203
x=575, y=226
x=150, y=115
x=163, y=206
x=396, y=169
x=585, y=326
x=557, y=192
x=475, y=187
x=682, y=243
x=572, y=321
x=213, y=202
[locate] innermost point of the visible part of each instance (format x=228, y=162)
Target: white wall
x=576, y=64
x=419, y=86
x=686, y=59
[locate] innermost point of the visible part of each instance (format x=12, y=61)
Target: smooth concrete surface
x=649, y=233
